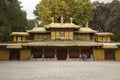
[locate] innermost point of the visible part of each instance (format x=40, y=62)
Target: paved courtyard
x=59, y=70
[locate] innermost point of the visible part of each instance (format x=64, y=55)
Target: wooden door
x=14, y=55
x=86, y=52
x=109, y=54
x=37, y=53
x=73, y=53
x=49, y=53
x=61, y=54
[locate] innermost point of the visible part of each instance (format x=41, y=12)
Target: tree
x=100, y=15
x=106, y=17
x=113, y=24
x=31, y=24
x=12, y=18
x=16, y=16
x=80, y=10
x=113, y=20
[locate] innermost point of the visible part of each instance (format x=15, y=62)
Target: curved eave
x=14, y=47
x=83, y=32
x=39, y=32
x=62, y=27
x=19, y=34
x=105, y=34
x=110, y=47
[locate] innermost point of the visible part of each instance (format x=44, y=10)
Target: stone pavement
x=59, y=70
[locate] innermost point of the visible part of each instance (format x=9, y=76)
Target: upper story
x=104, y=37
x=62, y=32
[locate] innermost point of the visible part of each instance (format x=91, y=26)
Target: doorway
x=61, y=54
x=49, y=53
x=86, y=52
x=109, y=54
x=74, y=53
x=14, y=55
x=37, y=53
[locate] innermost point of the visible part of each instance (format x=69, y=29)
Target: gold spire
x=87, y=25
x=36, y=25
x=52, y=19
x=71, y=20
x=62, y=20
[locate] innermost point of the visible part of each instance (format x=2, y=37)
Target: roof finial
x=87, y=25
x=36, y=25
x=71, y=20
x=52, y=19
x=62, y=20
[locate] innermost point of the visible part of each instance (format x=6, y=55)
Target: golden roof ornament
x=71, y=20
x=36, y=25
x=52, y=19
x=62, y=20
x=87, y=25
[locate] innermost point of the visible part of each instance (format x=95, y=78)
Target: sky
x=29, y=6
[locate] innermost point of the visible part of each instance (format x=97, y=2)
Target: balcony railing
x=62, y=43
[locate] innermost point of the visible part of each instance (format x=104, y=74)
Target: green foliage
x=116, y=38
x=106, y=17
x=80, y=10
x=31, y=24
x=113, y=23
x=12, y=18
x=100, y=15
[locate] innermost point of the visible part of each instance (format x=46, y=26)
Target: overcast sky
x=29, y=6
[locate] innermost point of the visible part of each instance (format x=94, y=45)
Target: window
x=104, y=38
x=62, y=33
x=19, y=39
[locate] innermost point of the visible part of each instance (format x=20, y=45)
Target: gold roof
x=86, y=30
x=104, y=33
x=14, y=47
x=109, y=46
x=37, y=30
x=61, y=25
x=20, y=33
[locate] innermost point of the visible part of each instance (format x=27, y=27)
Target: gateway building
x=60, y=41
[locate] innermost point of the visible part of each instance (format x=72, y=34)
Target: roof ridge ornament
x=62, y=19
x=36, y=24
x=52, y=19
x=87, y=25
x=71, y=20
